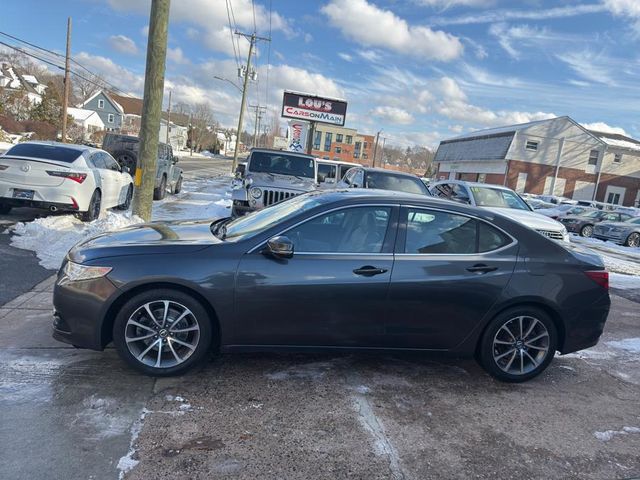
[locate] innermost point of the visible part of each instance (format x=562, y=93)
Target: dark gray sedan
x=337, y=270
x=625, y=233
x=583, y=224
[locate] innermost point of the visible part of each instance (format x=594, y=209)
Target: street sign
x=313, y=109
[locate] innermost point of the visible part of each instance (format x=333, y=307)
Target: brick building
x=555, y=156
x=333, y=142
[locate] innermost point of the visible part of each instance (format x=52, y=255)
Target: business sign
x=297, y=133
x=313, y=109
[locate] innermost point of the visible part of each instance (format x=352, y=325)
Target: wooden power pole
x=65, y=100
x=169, y=117
x=145, y=175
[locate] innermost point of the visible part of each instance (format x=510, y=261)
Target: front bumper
x=79, y=312
x=572, y=227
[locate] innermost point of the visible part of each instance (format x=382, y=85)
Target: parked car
x=125, y=149
x=557, y=200
x=562, y=210
x=62, y=177
x=625, y=233
x=271, y=176
x=537, y=204
x=365, y=177
x=583, y=224
x=330, y=172
x=353, y=269
x=501, y=200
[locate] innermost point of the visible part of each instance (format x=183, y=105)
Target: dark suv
x=125, y=149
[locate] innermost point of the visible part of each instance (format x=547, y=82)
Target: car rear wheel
x=518, y=344
x=93, y=211
x=178, y=186
x=633, y=240
x=586, y=231
x=4, y=209
x=127, y=201
x=160, y=192
x=162, y=332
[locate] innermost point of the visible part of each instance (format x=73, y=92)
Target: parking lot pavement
x=71, y=413
x=203, y=167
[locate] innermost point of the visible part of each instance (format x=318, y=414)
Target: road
x=20, y=268
x=74, y=414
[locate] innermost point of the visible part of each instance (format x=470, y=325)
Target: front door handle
x=481, y=268
x=369, y=271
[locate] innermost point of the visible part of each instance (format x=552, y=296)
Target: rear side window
x=431, y=231
x=45, y=152
x=399, y=183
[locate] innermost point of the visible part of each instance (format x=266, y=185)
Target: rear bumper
x=586, y=326
x=19, y=202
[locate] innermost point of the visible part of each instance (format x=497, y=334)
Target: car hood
x=285, y=182
x=530, y=219
x=157, y=237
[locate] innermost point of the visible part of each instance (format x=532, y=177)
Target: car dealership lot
x=317, y=416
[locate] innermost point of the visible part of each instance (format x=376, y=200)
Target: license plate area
x=23, y=194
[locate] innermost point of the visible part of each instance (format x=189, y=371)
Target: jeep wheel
x=127, y=159
x=178, y=186
x=160, y=192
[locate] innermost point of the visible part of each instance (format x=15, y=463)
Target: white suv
x=501, y=200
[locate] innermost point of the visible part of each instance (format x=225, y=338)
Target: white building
x=89, y=120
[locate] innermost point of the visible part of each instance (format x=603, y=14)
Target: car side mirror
x=126, y=170
x=279, y=247
x=322, y=177
x=174, y=160
x=240, y=170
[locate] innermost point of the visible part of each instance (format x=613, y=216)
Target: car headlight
x=75, y=272
x=255, y=192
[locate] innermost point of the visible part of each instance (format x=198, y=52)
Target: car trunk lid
x=32, y=172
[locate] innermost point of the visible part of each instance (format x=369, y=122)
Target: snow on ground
x=606, y=246
x=617, y=258
x=623, y=281
x=52, y=237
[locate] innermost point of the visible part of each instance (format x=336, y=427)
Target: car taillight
x=601, y=277
x=75, y=176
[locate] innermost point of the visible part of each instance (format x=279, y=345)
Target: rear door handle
x=369, y=271
x=481, y=268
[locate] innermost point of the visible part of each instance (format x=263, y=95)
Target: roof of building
x=130, y=105
x=107, y=96
x=498, y=130
x=617, y=140
x=81, y=113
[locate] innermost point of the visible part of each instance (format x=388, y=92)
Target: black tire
x=586, y=231
x=194, y=356
x=494, y=357
x=4, y=209
x=127, y=202
x=127, y=159
x=633, y=240
x=161, y=192
x=178, y=187
x=93, y=211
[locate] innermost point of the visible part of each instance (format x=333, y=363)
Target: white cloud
x=603, y=127
x=589, y=65
x=505, y=15
x=113, y=73
x=527, y=36
x=123, y=44
x=283, y=77
x=308, y=38
x=363, y=22
x=176, y=55
x=345, y=56
x=369, y=55
x=392, y=114
x=444, y=4
x=450, y=89
x=630, y=8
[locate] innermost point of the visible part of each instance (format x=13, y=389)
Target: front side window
x=329, y=171
x=351, y=230
x=431, y=231
x=496, y=197
x=281, y=163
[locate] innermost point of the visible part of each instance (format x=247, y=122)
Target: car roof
x=336, y=162
x=288, y=152
x=72, y=146
x=391, y=172
x=475, y=184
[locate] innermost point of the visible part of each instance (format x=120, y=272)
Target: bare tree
x=201, y=122
x=85, y=86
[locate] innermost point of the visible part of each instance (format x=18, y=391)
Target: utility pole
x=168, y=117
x=384, y=140
x=375, y=148
x=151, y=108
x=65, y=100
x=252, y=41
x=256, y=127
x=191, y=134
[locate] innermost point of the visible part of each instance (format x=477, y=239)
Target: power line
x=233, y=42
x=235, y=26
x=266, y=96
x=255, y=25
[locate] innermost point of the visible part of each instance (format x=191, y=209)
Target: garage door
x=583, y=190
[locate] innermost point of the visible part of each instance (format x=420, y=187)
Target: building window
x=365, y=156
x=338, y=149
x=482, y=177
x=531, y=145
x=617, y=158
x=338, y=138
x=100, y=103
x=364, y=146
x=317, y=138
x=328, y=137
x=110, y=118
x=356, y=150
x=593, y=157
x=349, y=140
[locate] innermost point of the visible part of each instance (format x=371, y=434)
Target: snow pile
x=127, y=463
x=624, y=282
x=616, y=258
x=52, y=237
x=609, y=434
x=631, y=345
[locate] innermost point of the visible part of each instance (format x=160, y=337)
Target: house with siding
x=556, y=156
x=110, y=112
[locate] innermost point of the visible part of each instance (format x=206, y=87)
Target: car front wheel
x=518, y=344
x=162, y=332
x=586, y=231
x=633, y=240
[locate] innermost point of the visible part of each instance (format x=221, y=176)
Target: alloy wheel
x=162, y=334
x=587, y=231
x=520, y=345
x=633, y=240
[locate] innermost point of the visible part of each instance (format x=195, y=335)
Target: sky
x=419, y=70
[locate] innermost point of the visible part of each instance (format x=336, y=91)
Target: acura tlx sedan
x=64, y=177
x=351, y=269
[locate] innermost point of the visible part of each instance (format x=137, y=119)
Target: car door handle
x=369, y=271
x=481, y=268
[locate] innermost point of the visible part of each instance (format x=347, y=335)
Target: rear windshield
x=281, y=163
x=398, y=183
x=46, y=152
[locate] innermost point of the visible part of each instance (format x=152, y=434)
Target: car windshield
x=398, y=183
x=564, y=207
x=259, y=221
x=497, y=197
x=635, y=221
x=45, y=152
x=282, y=163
